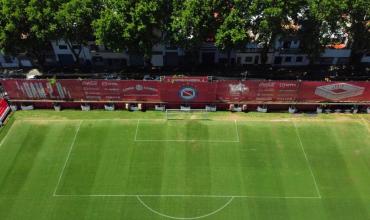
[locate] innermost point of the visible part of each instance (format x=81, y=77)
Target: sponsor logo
x=288, y=85
x=140, y=90
x=139, y=87
x=339, y=91
x=89, y=83
x=104, y=83
x=267, y=85
x=238, y=88
x=187, y=93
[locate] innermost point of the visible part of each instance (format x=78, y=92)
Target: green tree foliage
x=131, y=24
x=358, y=17
x=28, y=26
x=270, y=17
x=233, y=32
x=74, y=23
x=321, y=24
x=14, y=24
x=192, y=22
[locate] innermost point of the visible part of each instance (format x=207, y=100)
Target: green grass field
x=137, y=166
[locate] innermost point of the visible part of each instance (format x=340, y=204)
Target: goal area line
x=237, y=137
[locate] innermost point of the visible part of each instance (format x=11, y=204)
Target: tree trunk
x=229, y=57
x=266, y=47
x=39, y=56
x=355, y=58
x=264, y=52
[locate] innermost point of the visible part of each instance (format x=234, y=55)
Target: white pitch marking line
x=137, y=129
x=69, y=153
x=6, y=135
x=237, y=130
x=195, y=196
x=158, y=119
x=184, y=218
x=211, y=141
x=87, y=120
x=307, y=160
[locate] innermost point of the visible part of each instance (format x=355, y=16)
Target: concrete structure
x=8, y=61
x=63, y=53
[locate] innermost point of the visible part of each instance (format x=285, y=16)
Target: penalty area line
x=67, y=159
x=307, y=160
x=195, y=196
x=6, y=135
x=184, y=218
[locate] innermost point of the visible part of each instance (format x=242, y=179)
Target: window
x=326, y=60
x=288, y=59
x=63, y=47
x=8, y=59
x=248, y=59
x=286, y=44
x=278, y=60
x=76, y=47
x=343, y=60
x=299, y=59
x=171, y=48
x=97, y=59
x=94, y=47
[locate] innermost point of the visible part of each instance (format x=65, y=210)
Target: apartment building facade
x=285, y=52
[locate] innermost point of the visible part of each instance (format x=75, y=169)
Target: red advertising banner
x=116, y=90
x=43, y=89
x=262, y=91
x=188, y=90
x=334, y=92
x=94, y=90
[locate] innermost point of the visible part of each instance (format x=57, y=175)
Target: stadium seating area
x=4, y=110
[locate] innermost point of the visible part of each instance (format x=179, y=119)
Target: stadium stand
x=4, y=110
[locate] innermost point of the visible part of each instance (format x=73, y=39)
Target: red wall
x=196, y=90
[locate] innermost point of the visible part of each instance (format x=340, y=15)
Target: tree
x=321, y=24
x=13, y=25
x=135, y=25
x=358, y=16
x=233, y=32
x=312, y=40
x=271, y=17
x=192, y=23
x=27, y=26
x=74, y=19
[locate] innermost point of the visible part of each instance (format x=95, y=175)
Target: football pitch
x=137, y=166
